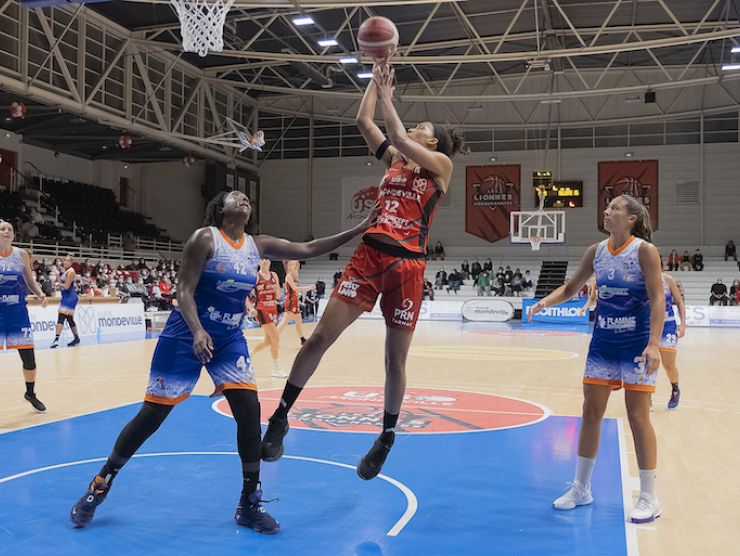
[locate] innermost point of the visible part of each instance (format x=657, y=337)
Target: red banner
x=638, y=178
x=491, y=194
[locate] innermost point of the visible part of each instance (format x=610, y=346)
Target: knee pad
x=71, y=321
x=61, y=318
x=245, y=407
x=28, y=358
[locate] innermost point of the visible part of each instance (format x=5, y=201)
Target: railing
x=149, y=250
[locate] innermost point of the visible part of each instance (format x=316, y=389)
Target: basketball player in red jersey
x=292, y=310
x=264, y=310
x=389, y=261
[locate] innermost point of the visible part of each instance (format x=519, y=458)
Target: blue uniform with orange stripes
x=69, y=299
x=669, y=339
x=227, y=279
x=15, y=326
x=622, y=320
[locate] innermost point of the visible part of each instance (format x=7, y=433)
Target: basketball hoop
x=202, y=24
x=535, y=241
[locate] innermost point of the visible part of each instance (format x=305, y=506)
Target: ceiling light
x=629, y=155
x=735, y=49
x=365, y=75
x=348, y=60
x=328, y=42
x=633, y=99
x=730, y=67
x=303, y=20
x=493, y=159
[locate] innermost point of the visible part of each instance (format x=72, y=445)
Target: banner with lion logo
x=491, y=194
x=638, y=178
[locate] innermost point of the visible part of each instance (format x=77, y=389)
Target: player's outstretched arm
x=273, y=248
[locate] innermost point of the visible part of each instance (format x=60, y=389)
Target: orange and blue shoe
x=251, y=514
x=84, y=510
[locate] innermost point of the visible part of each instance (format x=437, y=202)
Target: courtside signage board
x=702, y=315
x=91, y=320
x=487, y=310
x=568, y=312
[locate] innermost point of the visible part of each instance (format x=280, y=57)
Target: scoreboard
x=558, y=194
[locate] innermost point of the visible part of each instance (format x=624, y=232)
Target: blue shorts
x=618, y=366
x=175, y=368
x=669, y=339
x=68, y=304
x=15, y=327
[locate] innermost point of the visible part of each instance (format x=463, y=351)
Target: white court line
x=412, y=503
x=630, y=530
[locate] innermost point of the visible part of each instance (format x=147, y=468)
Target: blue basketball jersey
x=623, y=310
x=227, y=279
x=69, y=298
x=12, y=284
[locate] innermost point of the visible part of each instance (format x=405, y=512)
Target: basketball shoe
x=278, y=372
x=84, y=510
x=675, y=397
x=272, y=442
x=372, y=463
x=74, y=342
x=55, y=343
x=578, y=495
x=647, y=508
x=251, y=514
x=35, y=402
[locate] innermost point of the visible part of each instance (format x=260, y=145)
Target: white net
x=202, y=24
x=535, y=241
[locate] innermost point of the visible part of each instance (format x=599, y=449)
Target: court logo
x=424, y=410
x=85, y=317
x=488, y=310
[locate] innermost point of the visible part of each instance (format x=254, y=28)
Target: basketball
x=377, y=37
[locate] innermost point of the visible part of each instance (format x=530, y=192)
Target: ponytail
x=643, y=227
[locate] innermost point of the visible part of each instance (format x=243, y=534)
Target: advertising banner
x=91, y=320
x=638, y=178
x=358, y=199
x=714, y=315
x=491, y=194
x=487, y=310
x=565, y=313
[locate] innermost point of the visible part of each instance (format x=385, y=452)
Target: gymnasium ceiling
x=478, y=63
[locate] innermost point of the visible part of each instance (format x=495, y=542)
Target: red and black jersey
x=265, y=291
x=291, y=297
x=408, y=199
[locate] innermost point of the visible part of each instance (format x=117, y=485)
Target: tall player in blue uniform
x=219, y=270
x=68, y=304
x=624, y=350
x=16, y=277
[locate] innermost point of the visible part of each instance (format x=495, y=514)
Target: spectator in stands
x=102, y=279
x=141, y=265
x=47, y=284
x=527, y=281
x=497, y=284
x=673, y=260
x=129, y=241
x=476, y=269
x=439, y=251
x=483, y=285
x=86, y=283
x=428, y=290
x=508, y=277
x=698, y=261
x=686, y=261
x=33, y=231
x=337, y=276
x=440, y=279
x=320, y=287
x=35, y=216
x=454, y=280
x=516, y=283
x=488, y=265
x=719, y=293
x=735, y=292
x=465, y=269
x=22, y=226
x=730, y=250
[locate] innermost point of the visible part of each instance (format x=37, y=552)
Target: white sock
x=275, y=364
x=584, y=470
x=647, y=480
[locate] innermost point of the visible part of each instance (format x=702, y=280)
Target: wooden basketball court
x=698, y=476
